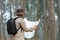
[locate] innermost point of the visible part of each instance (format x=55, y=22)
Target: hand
x=35, y=27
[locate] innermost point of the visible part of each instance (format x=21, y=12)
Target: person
x=20, y=22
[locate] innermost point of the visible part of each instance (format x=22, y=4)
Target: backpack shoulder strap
x=16, y=18
x=20, y=27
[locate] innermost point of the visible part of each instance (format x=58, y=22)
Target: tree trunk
x=51, y=33
x=59, y=17
x=45, y=19
x=2, y=22
x=22, y=2
x=0, y=17
x=36, y=37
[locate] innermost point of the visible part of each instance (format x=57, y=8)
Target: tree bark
x=45, y=19
x=36, y=37
x=2, y=23
x=51, y=33
x=59, y=17
x=23, y=2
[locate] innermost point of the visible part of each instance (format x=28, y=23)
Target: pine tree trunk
x=2, y=23
x=0, y=17
x=22, y=3
x=36, y=37
x=45, y=20
x=59, y=17
x=51, y=33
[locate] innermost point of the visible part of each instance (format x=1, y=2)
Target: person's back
x=20, y=23
x=20, y=34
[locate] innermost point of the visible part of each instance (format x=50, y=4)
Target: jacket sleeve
x=24, y=26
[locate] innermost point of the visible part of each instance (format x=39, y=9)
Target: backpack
x=11, y=27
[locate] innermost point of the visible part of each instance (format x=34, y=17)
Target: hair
x=20, y=12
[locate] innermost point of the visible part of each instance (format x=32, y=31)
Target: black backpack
x=11, y=27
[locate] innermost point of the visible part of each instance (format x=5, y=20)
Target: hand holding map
x=31, y=23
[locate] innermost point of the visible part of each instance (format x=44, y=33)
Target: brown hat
x=20, y=12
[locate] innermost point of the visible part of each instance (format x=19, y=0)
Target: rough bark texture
x=59, y=17
x=51, y=32
x=45, y=20
x=36, y=37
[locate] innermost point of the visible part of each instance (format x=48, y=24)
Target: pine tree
x=59, y=17
x=51, y=33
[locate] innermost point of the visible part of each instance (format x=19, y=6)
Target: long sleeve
x=24, y=25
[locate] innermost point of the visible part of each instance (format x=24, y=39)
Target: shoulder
x=19, y=19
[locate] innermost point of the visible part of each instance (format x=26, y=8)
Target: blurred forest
x=46, y=10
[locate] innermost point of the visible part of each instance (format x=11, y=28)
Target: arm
x=24, y=26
